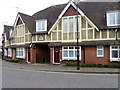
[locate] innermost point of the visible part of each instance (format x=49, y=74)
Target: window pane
x=112, y=18
x=65, y=54
x=65, y=25
x=118, y=17
x=71, y=53
x=114, y=47
x=65, y=47
x=76, y=53
x=70, y=47
x=100, y=52
x=100, y=47
x=115, y=54
x=71, y=24
x=43, y=25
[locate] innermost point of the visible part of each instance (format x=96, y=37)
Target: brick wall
x=70, y=12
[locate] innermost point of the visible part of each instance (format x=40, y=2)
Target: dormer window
x=41, y=25
x=113, y=18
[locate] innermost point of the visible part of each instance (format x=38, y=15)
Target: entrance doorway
x=56, y=56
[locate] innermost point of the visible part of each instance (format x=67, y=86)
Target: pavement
x=60, y=68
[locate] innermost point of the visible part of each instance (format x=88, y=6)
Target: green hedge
x=11, y=60
x=93, y=65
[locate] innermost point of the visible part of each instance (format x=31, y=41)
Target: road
x=16, y=78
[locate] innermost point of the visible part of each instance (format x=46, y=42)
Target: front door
x=56, y=55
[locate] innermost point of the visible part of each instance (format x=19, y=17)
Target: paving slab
x=60, y=68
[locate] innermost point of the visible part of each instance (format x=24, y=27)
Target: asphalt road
x=14, y=78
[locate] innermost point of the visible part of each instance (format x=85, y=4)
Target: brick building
x=50, y=36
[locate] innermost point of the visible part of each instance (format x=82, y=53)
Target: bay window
x=114, y=53
x=65, y=24
x=20, y=53
x=71, y=24
x=70, y=53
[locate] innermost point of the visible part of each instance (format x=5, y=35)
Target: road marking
x=58, y=72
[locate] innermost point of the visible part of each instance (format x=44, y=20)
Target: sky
x=9, y=9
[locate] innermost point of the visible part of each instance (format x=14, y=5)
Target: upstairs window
x=113, y=18
x=65, y=24
x=41, y=25
x=71, y=24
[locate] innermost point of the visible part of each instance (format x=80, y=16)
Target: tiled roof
x=7, y=30
x=85, y=43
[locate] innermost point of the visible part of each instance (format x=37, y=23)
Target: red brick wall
x=13, y=53
x=91, y=56
x=32, y=55
x=70, y=12
x=19, y=21
x=51, y=55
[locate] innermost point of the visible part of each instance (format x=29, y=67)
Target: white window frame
x=68, y=23
x=18, y=51
x=9, y=52
x=100, y=49
x=5, y=52
x=116, y=18
x=45, y=28
x=71, y=58
x=111, y=49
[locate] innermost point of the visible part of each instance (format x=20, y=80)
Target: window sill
x=114, y=60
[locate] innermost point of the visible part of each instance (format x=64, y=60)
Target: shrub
x=115, y=66
x=99, y=65
x=106, y=65
x=14, y=60
x=71, y=64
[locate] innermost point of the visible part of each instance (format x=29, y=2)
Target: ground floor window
x=20, y=52
x=100, y=51
x=70, y=53
x=5, y=52
x=114, y=53
x=9, y=52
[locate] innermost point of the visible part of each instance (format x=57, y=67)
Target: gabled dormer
x=41, y=25
x=113, y=18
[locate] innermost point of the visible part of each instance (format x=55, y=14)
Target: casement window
x=113, y=18
x=65, y=24
x=100, y=51
x=5, y=52
x=41, y=25
x=20, y=53
x=78, y=24
x=71, y=24
x=70, y=53
x=9, y=52
x=114, y=53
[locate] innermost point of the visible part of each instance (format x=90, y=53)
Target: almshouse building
x=50, y=36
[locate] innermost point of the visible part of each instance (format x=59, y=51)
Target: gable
x=19, y=21
x=71, y=11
